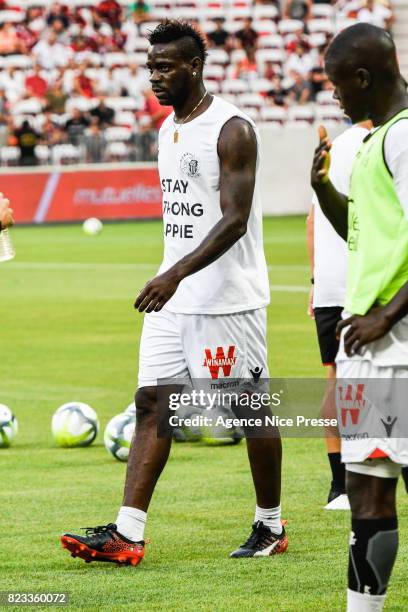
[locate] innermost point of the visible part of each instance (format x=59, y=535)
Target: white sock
x=271, y=517
x=131, y=523
x=363, y=602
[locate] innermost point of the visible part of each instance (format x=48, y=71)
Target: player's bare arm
x=6, y=213
x=332, y=203
x=310, y=253
x=375, y=324
x=237, y=151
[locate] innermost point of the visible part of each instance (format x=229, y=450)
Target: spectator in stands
x=300, y=62
x=76, y=126
x=51, y=132
x=376, y=14
x=247, y=68
x=35, y=84
x=57, y=13
x=276, y=96
x=135, y=82
x=297, y=9
x=83, y=85
x=301, y=91
x=12, y=81
x=9, y=41
x=119, y=38
x=110, y=11
x=102, y=113
x=4, y=103
x=140, y=11
x=51, y=54
x=150, y=121
x=56, y=98
x=219, y=37
x=95, y=142
x=26, y=140
x=247, y=37
x=269, y=71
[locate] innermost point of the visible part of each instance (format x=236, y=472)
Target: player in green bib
x=362, y=64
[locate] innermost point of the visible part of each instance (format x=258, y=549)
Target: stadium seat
x=213, y=87
x=117, y=151
x=11, y=16
x=31, y=106
x=42, y=153
x=320, y=25
x=234, y=86
x=147, y=27
x=264, y=11
x=275, y=114
x=276, y=56
x=253, y=100
x=333, y=113
x=289, y=26
x=122, y=103
x=118, y=134
x=253, y=113
x=65, y=153
x=228, y=97
x=341, y=23
x=302, y=114
x=81, y=103
x=218, y=56
x=323, y=11
x=214, y=71
x=126, y=118
x=116, y=59
x=140, y=44
x=325, y=97
x=317, y=40
x=264, y=27
x=237, y=55
x=9, y=155
x=18, y=61
x=271, y=41
x=261, y=85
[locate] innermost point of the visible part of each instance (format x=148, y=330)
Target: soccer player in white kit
x=372, y=363
x=328, y=259
x=206, y=308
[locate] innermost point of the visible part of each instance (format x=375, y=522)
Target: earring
x=194, y=74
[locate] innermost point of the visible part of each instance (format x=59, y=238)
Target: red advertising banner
x=76, y=193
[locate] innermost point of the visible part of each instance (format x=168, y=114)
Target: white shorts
x=381, y=408
x=188, y=346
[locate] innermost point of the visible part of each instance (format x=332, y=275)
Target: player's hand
x=157, y=292
x=310, y=309
x=321, y=159
x=6, y=213
x=363, y=329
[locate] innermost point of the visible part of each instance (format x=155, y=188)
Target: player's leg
x=374, y=533
x=161, y=356
x=326, y=319
x=242, y=336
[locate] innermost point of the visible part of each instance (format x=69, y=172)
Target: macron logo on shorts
x=220, y=361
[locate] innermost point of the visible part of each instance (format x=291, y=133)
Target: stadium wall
x=131, y=191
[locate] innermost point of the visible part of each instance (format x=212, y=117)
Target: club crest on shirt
x=189, y=165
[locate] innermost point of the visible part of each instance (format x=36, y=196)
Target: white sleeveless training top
x=190, y=180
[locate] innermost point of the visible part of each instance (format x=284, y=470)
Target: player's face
x=349, y=91
x=170, y=75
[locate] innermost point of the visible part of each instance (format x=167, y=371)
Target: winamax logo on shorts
x=351, y=400
x=220, y=361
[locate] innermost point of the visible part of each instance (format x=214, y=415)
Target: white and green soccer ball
x=92, y=226
x=131, y=409
x=8, y=426
x=118, y=435
x=74, y=424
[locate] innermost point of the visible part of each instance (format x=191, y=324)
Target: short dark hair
x=173, y=30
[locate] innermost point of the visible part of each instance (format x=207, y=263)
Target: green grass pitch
x=68, y=332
